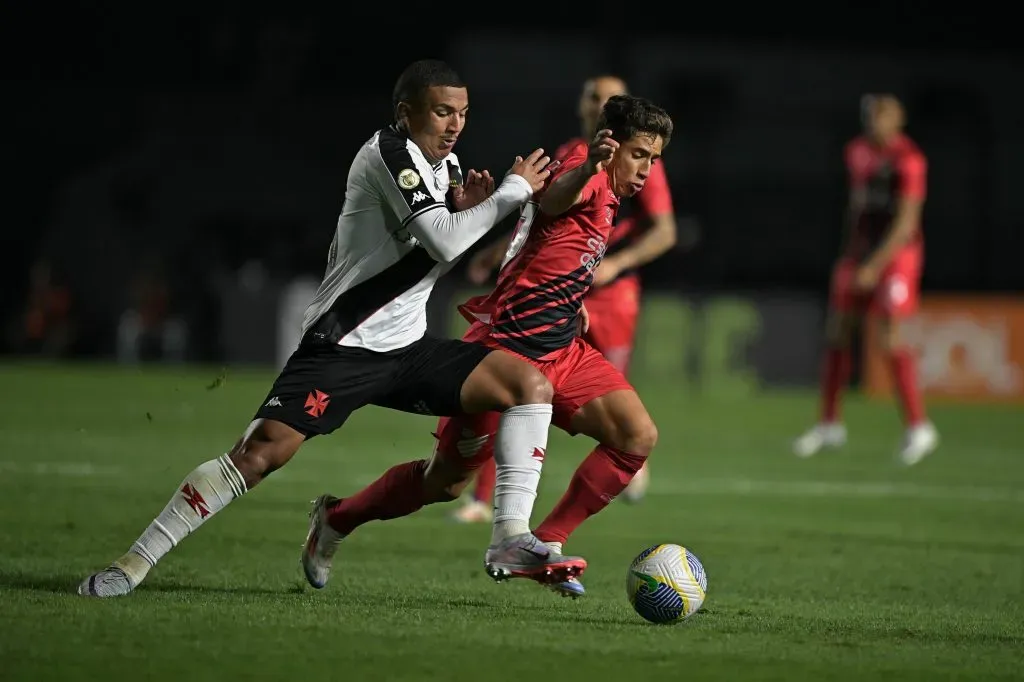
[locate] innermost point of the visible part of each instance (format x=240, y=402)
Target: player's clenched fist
x=600, y=152
x=534, y=169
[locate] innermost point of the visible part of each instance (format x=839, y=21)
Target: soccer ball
x=666, y=584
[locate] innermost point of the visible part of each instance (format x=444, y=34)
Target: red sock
x=834, y=376
x=599, y=479
x=904, y=374
x=399, y=492
x=484, y=489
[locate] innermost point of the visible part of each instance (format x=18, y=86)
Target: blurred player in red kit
x=879, y=274
x=644, y=231
x=536, y=313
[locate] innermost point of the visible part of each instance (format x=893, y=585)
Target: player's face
x=436, y=123
x=884, y=118
x=596, y=92
x=632, y=163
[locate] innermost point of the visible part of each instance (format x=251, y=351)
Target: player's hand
x=534, y=169
x=607, y=271
x=583, y=321
x=866, y=278
x=600, y=152
x=478, y=271
x=477, y=188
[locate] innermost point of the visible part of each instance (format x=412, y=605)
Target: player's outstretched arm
x=567, y=189
x=446, y=235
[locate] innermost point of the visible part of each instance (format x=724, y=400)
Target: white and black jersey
x=395, y=237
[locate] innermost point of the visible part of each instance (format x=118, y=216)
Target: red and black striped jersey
x=548, y=269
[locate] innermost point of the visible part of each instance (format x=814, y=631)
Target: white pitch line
x=661, y=486
x=851, y=489
x=57, y=469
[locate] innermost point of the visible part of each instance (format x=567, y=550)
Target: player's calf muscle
x=265, y=447
x=444, y=481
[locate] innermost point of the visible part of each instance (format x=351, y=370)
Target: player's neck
x=885, y=141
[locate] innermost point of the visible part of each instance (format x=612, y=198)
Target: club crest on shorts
x=408, y=179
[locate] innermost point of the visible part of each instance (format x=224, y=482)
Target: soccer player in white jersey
x=406, y=219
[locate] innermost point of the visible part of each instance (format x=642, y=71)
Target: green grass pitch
x=842, y=567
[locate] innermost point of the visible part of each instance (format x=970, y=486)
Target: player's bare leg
x=265, y=447
x=627, y=435
x=920, y=437
x=830, y=432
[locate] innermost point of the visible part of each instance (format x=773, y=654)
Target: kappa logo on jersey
x=418, y=197
x=590, y=259
x=316, y=403
x=408, y=179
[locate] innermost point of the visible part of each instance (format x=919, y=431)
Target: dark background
x=164, y=160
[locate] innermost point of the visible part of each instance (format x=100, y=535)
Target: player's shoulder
x=394, y=146
x=858, y=153
x=857, y=145
x=907, y=148
x=574, y=147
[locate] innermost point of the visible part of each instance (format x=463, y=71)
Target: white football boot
x=918, y=442
x=321, y=543
x=820, y=437
x=473, y=511
x=110, y=582
x=637, y=487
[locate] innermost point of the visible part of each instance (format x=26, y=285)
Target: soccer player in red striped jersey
x=645, y=230
x=536, y=313
x=879, y=274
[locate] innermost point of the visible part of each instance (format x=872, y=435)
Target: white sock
x=522, y=434
x=203, y=493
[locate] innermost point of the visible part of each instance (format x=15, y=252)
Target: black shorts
x=322, y=384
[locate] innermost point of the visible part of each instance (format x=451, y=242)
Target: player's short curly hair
x=628, y=116
x=421, y=75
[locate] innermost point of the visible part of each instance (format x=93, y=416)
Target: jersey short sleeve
x=655, y=198
x=570, y=147
x=913, y=170
x=403, y=177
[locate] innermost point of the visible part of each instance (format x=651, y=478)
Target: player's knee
x=264, y=448
x=638, y=435
x=525, y=386
x=888, y=338
x=532, y=388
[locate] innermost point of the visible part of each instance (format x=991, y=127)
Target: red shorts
x=578, y=373
x=614, y=310
x=898, y=291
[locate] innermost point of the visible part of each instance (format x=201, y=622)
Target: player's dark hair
x=418, y=77
x=628, y=116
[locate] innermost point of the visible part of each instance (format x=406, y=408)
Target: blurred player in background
x=645, y=229
x=879, y=273
x=406, y=220
x=536, y=312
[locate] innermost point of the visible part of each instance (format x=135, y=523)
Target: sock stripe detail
x=232, y=475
